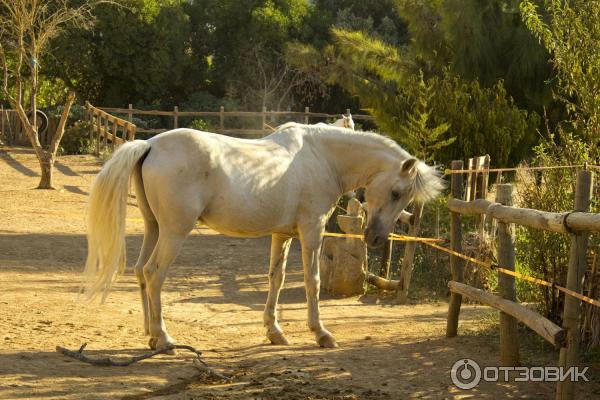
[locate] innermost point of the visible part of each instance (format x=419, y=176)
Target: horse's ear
x=409, y=167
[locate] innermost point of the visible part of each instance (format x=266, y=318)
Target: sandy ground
x=213, y=300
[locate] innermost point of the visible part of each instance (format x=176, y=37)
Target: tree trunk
x=47, y=166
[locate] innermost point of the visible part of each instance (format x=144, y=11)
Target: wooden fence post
x=456, y=263
x=264, y=118
x=386, y=259
x=482, y=183
x=347, y=111
x=409, y=255
x=569, y=355
x=105, y=133
x=130, y=112
x=221, y=118
x=115, y=131
x=306, y=111
x=509, y=343
x=96, y=131
x=175, y=117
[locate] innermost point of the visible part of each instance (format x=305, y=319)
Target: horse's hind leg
x=155, y=272
x=280, y=247
x=150, y=238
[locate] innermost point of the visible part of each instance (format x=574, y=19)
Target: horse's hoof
x=327, y=341
x=277, y=338
x=159, y=343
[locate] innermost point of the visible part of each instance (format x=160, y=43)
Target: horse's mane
x=428, y=182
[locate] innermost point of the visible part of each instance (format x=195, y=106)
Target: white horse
x=284, y=185
x=345, y=122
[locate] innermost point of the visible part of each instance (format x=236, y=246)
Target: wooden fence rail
x=106, y=127
x=304, y=116
x=577, y=223
x=565, y=222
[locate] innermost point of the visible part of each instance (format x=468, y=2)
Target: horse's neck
x=356, y=158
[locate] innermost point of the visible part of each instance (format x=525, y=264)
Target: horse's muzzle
x=374, y=234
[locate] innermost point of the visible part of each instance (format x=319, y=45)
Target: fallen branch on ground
x=109, y=362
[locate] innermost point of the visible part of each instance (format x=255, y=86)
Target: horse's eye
x=395, y=195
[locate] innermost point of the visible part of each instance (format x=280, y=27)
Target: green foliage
x=479, y=40
x=201, y=125
x=571, y=33
x=483, y=120
x=138, y=52
x=417, y=134
x=77, y=139
x=545, y=254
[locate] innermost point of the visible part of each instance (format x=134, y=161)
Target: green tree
x=419, y=135
x=484, y=120
x=139, y=53
x=479, y=40
x=26, y=29
x=571, y=33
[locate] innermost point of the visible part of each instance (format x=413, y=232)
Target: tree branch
x=60, y=129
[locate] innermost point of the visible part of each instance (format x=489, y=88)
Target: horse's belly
x=246, y=222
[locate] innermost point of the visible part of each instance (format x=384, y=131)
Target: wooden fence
x=12, y=131
x=577, y=223
x=222, y=115
x=106, y=127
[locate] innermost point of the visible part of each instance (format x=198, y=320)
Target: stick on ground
x=109, y=362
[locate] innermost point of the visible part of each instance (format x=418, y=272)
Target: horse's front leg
x=280, y=247
x=310, y=239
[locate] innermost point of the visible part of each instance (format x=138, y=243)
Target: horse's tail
x=106, y=219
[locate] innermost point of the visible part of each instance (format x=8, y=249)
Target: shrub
x=201, y=125
x=545, y=254
x=77, y=139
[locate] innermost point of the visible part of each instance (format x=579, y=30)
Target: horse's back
x=243, y=187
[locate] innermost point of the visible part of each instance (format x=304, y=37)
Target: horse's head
x=392, y=190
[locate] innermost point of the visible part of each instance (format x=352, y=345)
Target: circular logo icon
x=465, y=374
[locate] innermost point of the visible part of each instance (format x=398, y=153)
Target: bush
x=545, y=254
x=77, y=139
x=201, y=125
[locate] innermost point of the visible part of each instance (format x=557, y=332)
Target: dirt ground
x=213, y=300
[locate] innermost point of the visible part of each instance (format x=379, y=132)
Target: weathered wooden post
x=221, y=118
x=509, y=343
x=130, y=112
x=456, y=263
x=347, y=111
x=175, y=117
x=96, y=131
x=263, y=125
x=569, y=355
x=115, y=130
x=482, y=186
x=130, y=131
x=409, y=254
x=306, y=111
x=386, y=260
x=105, y=132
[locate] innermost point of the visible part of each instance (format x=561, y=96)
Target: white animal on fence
x=284, y=185
x=345, y=122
